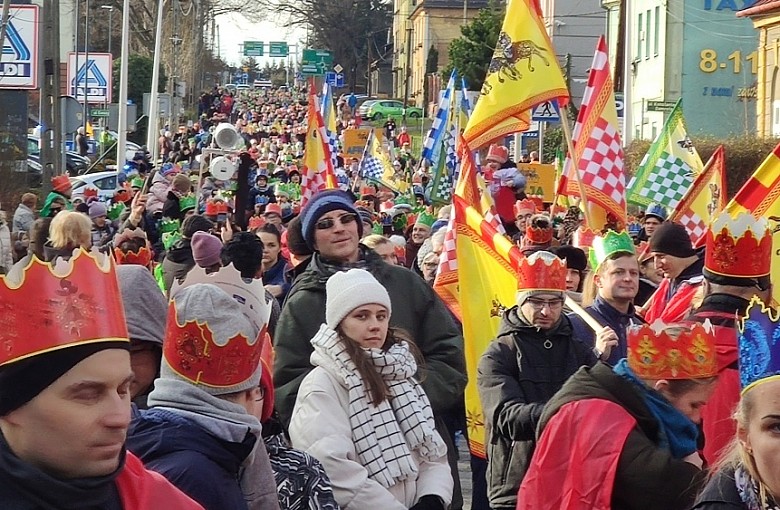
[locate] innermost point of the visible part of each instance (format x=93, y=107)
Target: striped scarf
x=385, y=434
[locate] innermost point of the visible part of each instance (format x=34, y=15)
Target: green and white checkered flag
x=669, y=167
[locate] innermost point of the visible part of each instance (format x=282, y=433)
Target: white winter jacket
x=320, y=426
x=6, y=246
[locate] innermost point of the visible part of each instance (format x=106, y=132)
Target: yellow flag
x=760, y=196
x=523, y=72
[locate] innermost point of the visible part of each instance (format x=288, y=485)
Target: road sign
x=278, y=49
x=660, y=106
x=99, y=112
x=335, y=79
x=338, y=68
x=311, y=56
x=19, y=55
x=546, y=112
x=253, y=48
x=93, y=76
x=311, y=70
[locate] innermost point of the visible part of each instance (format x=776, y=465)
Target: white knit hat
x=349, y=290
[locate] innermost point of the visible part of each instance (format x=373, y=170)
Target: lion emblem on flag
x=506, y=57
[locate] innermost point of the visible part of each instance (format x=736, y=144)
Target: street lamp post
x=86, y=65
x=110, y=9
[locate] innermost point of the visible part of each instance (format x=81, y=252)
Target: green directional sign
x=312, y=56
x=278, y=49
x=253, y=48
x=660, y=106
x=311, y=70
x=99, y=112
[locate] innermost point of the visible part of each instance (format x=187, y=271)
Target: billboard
x=19, y=55
x=93, y=76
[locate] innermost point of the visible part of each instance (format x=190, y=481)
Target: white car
x=105, y=182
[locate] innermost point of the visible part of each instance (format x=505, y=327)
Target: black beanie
x=672, y=239
x=295, y=242
x=21, y=381
x=575, y=257
x=195, y=223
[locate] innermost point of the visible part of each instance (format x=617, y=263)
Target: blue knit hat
x=321, y=204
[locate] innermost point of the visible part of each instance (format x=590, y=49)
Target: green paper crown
x=287, y=189
x=400, y=222
x=115, y=211
x=136, y=182
x=426, y=219
x=187, y=202
x=169, y=238
x=376, y=228
x=168, y=226
x=609, y=244
x=402, y=200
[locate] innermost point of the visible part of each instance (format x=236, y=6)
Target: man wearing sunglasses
x=332, y=229
x=534, y=354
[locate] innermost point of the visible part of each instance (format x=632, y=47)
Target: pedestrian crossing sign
x=547, y=111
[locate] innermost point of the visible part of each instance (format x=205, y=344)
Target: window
x=639, y=39
x=647, y=36
x=106, y=183
x=657, y=32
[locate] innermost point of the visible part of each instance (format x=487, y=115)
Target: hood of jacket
x=157, y=433
x=181, y=252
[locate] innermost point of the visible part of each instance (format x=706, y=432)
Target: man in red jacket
x=65, y=380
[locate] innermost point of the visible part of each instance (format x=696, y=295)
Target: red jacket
x=141, y=489
x=676, y=308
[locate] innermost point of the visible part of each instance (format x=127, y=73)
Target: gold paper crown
x=672, y=351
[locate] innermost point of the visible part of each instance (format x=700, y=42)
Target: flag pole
x=575, y=165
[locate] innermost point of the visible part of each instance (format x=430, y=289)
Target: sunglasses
x=344, y=219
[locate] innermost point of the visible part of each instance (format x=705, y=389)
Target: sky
x=234, y=29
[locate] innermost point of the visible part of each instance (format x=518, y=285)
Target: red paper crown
x=76, y=302
x=211, y=208
x=122, y=195
x=537, y=235
x=534, y=273
x=524, y=207
x=143, y=257
x=60, y=183
x=498, y=153
x=256, y=222
x=583, y=238
x=192, y=353
x=367, y=191
x=273, y=209
x=90, y=193
x=672, y=351
x=739, y=247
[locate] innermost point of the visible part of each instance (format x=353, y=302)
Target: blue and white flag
x=433, y=142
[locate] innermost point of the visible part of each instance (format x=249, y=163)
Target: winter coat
x=24, y=217
x=259, y=196
x=277, y=275
x=172, y=208
x=178, y=262
x=672, y=301
x=6, y=247
x=200, y=464
x=158, y=194
x=606, y=315
x=323, y=398
x=720, y=493
x=516, y=376
x=647, y=477
x=102, y=236
x=416, y=309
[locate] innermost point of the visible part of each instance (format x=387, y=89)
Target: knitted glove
x=429, y=502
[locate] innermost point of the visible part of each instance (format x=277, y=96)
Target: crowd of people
x=158, y=355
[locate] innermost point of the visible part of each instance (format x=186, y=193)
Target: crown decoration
x=168, y=225
x=657, y=210
x=90, y=192
x=672, y=351
x=425, y=218
x=541, y=271
x=367, y=191
x=610, y=244
x=498, y=153
x=143, y=257
x=365, y=204
x=537, y=235
x=739, y=247
x=386, y=206
x=211, y=208
x=759, y=345
x=187, y=202
x=51, y=307
x=249, y=294
x=376, y=228
x=583, y=237
x=400, y=222
x=170, y=238
x=115, y=210
x=122, y=195
x=137, y=182
x=524, y=207
x=285, y=189
x=256, y=222
x=60, y=183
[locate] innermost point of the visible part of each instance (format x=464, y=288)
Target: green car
x=389, y=108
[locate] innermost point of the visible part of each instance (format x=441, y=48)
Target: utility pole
x=51, y=120
x=368, y=70
x=408, y=72
x=4, y=20
x=152, y=133
x=121, y=143
x=86, y=65
x=465, y=11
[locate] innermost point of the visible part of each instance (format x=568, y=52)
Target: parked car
x=74, y=163
x=105, y=182
x=130, y=147
x=390, y=108
x=362, y=109
x=34, y=171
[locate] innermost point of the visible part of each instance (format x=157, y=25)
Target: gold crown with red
x=63, y=304
x=738, y=246
x=541, y=271
x=672, y=351
x=524, y=207
x=192, y=349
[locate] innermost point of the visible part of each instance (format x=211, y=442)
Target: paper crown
x=367, y=191
x=115, y=211
x=657, y=210
x=256, y=222
x=426, y=219
x=610, y=244
x=122, y=195
x=672, y=351
x=738, y=247
x=89, y=192
x=191, y=349
x=170, y=238
x=524, y=207
x=759, y=345
x=273, y=209
x=168, y=225
x=60, y=183
x=137, y=182
x=142, y=257
x=537, y=234
x=536, y=273
x=583, y=237
x=50, y=308
x=386, y=206
x=187, y=202
x=498, y=153
x=216, y=207
x=285, y=189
